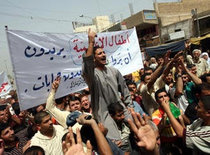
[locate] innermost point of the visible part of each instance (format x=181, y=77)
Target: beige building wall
x=172, y=12
x=101, y=22
x=85, y=29
x=185, y=25
x=138, y=19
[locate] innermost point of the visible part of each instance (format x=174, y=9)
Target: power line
x=34, y=17
x=36, y=9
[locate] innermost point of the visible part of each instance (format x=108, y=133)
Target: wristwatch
x=178, y=75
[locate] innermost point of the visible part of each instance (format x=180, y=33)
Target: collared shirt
x=124, y=134
x=201, y=65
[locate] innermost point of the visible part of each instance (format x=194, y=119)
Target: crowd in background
x=164, y=108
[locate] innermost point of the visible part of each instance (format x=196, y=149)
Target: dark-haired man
x=105, y=83
x=49, y=136
x=169, y=139
x=196, y=135
x=14, y=143
x=117, y=113
x=74, y=104
x=3, y=114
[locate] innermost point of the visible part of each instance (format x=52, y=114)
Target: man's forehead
x=99, y=50
x=205, y=92
x=76, y=101
x=162, y=93
x=119, y=113
x=5, y=130
x=46, y=117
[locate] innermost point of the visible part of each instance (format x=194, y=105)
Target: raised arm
x=194, y=77
x=179, y=82
x=88, y=60
x=157, y=72
x=170, y=64
x=178, y=128
x=59, y=115
x=91, y=42
x=145, y=135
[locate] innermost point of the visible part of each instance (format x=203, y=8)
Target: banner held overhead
x=38, y=58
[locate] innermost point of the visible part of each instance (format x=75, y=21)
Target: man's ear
x=208, y=113
x=112, y=115
x=38, y=127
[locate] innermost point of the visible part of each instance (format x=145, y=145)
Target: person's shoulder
x=197, y=123
x=143, y=88
x=22, y=133
x=112, y=69
x=58, y=127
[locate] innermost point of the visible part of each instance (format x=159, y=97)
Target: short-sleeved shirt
x=197, y=137
x=148, y=96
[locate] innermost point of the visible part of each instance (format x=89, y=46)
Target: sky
x=57, y=16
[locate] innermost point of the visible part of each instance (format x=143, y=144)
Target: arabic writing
x=121, y=61
x=46, y=80
x=34, y=52
x=78, y=44
x=71, y=75
x=101, y=41
x=112, y=40
x=3, y=86
x=76, y=83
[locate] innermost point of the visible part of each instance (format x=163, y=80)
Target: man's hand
x=82, y=120
x=117, y=142
x=166, y=58
x=71, y=148
x=165, y=105
x=91, y=36
x=146, y=136
x=178, y=54
x=26, y=146
x=56, y=83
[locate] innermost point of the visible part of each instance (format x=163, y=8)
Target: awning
x=162, y=49
x=196, y=41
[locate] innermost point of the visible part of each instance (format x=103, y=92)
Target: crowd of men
x=162, y=108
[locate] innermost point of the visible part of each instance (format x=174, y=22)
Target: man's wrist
x=179, y=75
x=93, y=123
x=91, y=42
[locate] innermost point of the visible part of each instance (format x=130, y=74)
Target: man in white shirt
x=49, y=136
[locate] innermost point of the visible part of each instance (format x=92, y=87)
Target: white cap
x=203, y=54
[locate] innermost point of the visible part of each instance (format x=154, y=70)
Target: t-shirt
x=198, y=137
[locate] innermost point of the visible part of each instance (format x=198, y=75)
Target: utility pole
x=195, y=16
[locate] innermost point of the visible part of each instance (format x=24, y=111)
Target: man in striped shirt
x=196, y=135
x=13, y=143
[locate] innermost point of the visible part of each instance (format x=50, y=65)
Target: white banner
x=5, y=85
x=38, y=58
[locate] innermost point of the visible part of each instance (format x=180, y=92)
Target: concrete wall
x=138, y=19
x=177, y=11
x=85, y=29
x=101, y=22
x=185, y=26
